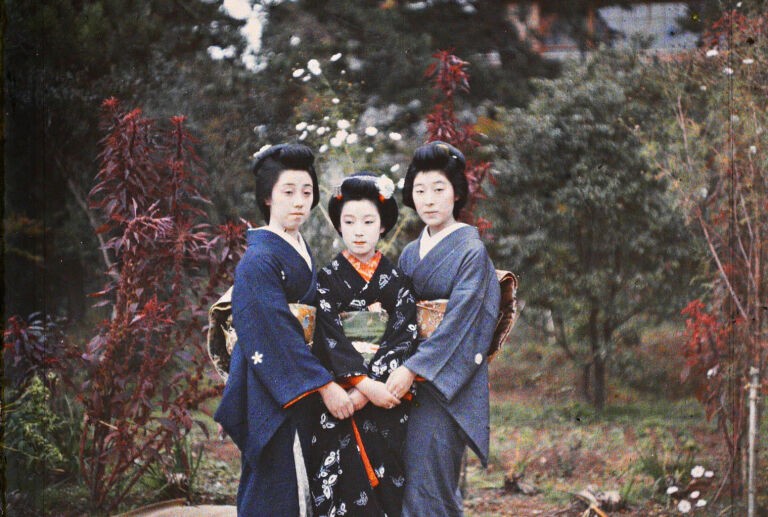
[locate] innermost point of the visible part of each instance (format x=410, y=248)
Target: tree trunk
x=586, y=374
x=598, y=361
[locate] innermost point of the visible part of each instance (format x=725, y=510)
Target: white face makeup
x=291, y=201
x=433, y=197
x=360, y=225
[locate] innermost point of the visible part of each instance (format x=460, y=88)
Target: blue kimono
x=263, y=407
x=452, y=406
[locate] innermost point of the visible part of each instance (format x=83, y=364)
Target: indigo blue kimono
x=263, y=407
x=452, y=407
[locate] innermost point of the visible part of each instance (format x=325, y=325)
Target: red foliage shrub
x=146, y=367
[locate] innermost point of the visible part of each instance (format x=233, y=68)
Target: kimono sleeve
x=401, y=328
x=271, y=337
x=331, y=343
x=457, y=348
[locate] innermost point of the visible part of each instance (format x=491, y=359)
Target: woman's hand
x=358, y=399
x=378, y=393
x=337, y=401
x=400, y=381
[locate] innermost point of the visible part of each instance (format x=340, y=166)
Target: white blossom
x=395, y=136
x=343, y=124
x=695, y=494
x=341, y=134
x=311, y=127
x=709, y=474
x=671, y=490
x=369, y=150
x=748, y=61
x=335, y=142
x=385, y=186
x=701, y=503
x=313, y=65
x=294, y=41
x=752, y=149
x=395, y=168
x=336, y=57
x=684, y=506
x=298, y=73
x=303, y=135
x=352, y=139
x=323, y=148
x=371, y=131
x=697, y=471
x=712, y=371
x=703, y=88
x=712, y=52
x=306, y=78
x=728, y=70
x=301, y=126
x=401, y=183
x=321, y=130
x=335, y=100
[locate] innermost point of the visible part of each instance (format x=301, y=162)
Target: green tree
x=588, y=223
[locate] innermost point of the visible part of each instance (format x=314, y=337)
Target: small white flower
x=712, y=52
x=748, y=61
x=341, y=135
x=697, y=471
x=301, y=126
x=257, y=358
x=371, y=131
x=306, y=78
x=335, y=142
x=352, y=139
x=695, y=494
x=671, y=490
x=303, y=135
x=752, y=149
x=709, y=474
x=335, y=100
x=336, y=57
x=701, y=503
x=395, y=136
x=321, y=130
x=311, y=127
x=394, y=168
x=703, y=88
x=703, y=193
x=294, y=41
x=298, y=73
x=386, y=186
x=712, y=371
x=369, y=150
x=323, y=148
x=401, y=183
x=684, y=506
x=343, y=124
x=728, y=70
x=313, y=65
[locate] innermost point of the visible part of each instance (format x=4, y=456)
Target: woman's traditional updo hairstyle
x=269, y=163
x=442, y=157
x=378, y=190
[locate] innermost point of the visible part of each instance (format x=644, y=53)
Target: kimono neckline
x=442, y=242
x=357, y=274
x=254, y=232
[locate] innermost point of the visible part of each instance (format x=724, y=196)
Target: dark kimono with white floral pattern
x=348, y=457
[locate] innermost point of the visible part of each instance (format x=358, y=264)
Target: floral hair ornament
x=265, y=152
x=384, y=185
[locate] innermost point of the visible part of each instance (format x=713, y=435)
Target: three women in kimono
x=356, y=463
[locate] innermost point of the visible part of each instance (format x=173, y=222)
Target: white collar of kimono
x=427, y=241
x=299, y=245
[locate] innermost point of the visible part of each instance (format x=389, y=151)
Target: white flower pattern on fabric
x=383, y=281
x=325, y=306
x=331, y=343
x=363, y=500
x=257, y=358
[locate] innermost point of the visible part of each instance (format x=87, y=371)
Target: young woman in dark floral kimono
x=366, y=328
x=272, y=374
x=447, y=262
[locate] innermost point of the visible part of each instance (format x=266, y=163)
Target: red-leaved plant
x=146, y=367
x=449, y=77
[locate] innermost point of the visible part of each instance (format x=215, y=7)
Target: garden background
x=622, y=178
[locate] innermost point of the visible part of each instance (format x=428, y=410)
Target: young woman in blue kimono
x=265, y=403
x=356, y=464
x=448, y=262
